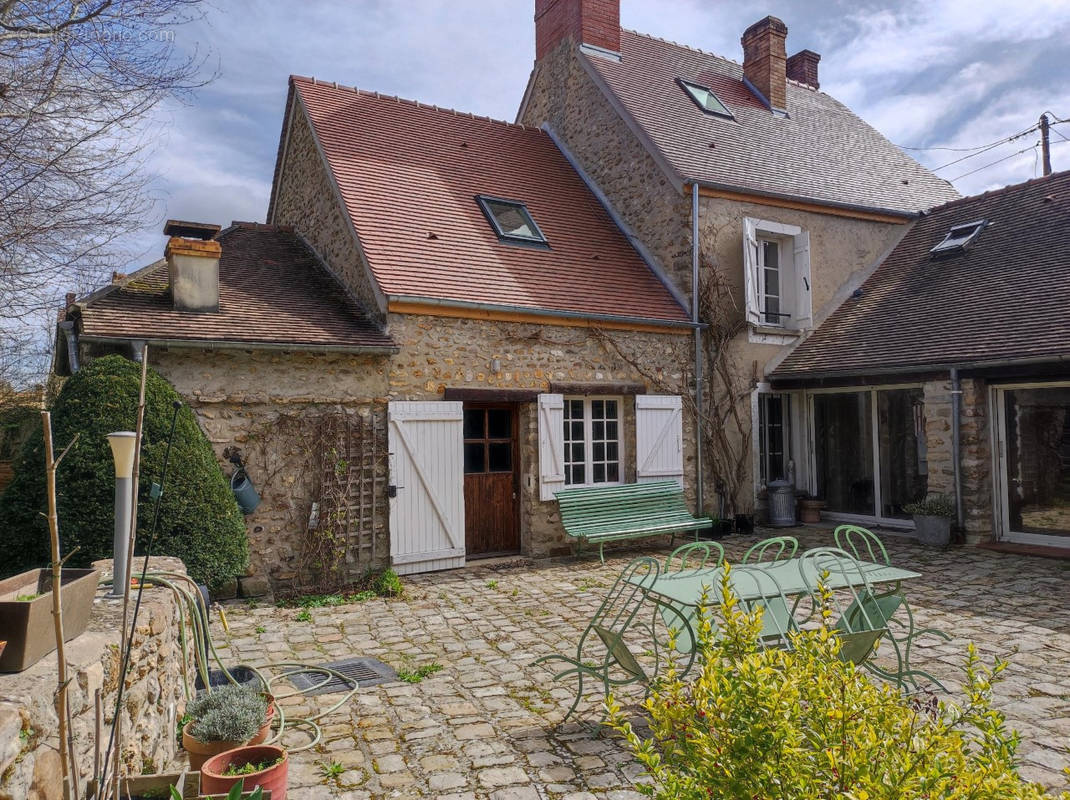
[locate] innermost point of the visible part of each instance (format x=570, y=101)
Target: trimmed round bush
x=199, y=519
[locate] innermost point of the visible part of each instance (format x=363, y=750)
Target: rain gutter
x=699, y=499
x=230, y=344
x=956, y=444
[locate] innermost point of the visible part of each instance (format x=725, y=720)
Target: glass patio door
x=843, y=451
x=1035, y=454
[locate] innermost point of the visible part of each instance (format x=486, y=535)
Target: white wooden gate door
x=427, y=468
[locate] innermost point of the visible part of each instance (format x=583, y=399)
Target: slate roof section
x=409, y=174
x=272, y=291
x=1004, y=298
x=823, y=153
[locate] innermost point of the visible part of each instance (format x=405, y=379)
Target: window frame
x=764, y=399
x=539, y=241
x=952, y=244
x=795, y=313
x=689, y=88
x=778, y=316
x=588, y=444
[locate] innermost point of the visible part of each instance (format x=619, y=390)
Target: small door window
x=488, y=440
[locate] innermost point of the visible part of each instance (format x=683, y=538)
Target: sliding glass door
x=1034, y=431
x=869, y=451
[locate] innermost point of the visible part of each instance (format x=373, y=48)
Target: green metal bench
x=612, y=513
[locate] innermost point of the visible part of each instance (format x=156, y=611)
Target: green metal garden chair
x=860, y=623
x=780, y=548
x=759, y=589
x=867, y=546
x=687, y=557
x=613, y=663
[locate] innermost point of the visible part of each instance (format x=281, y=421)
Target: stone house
x=746, y=180
x=439, y=327
x=947, y=370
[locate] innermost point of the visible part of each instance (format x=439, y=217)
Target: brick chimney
x=802, y=67
x=590, y=22
x=193, y=265
x=764, y=60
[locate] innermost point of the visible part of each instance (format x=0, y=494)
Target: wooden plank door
x=427, y=506
x=491, y=480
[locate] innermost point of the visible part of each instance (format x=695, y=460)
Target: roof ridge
x=1010, y=187
x=683, y=46
x=419, y=104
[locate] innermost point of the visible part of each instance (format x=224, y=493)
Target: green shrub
x=802, y=725
x=935, y=505
x=228, y=714
x=199, y=520
x=387, y=584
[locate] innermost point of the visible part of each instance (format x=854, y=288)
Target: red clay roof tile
x=409, y=175
x=272, y=290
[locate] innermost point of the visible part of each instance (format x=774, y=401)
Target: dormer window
x=511, y=221
x=705, y=99
x=958, y=237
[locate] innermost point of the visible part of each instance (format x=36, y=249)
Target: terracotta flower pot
x=265, y=729
x=810, y=510
x=200, y=751
x=273, y=778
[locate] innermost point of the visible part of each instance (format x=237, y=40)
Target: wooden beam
x=490, y=395
x=432, y=310
x=802, y=205
x=562, y=387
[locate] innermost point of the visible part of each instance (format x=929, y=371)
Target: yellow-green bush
x=800, y=724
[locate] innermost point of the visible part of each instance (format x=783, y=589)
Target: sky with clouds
x=926, y=73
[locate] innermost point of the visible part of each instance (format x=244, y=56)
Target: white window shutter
x=551, y=445
x=750, y=268
x=659, y=438
x=802, y=316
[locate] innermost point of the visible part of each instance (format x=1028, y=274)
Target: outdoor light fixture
x=122, y=450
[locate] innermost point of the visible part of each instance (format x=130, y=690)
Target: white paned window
x=592, y=440
x=776, y=263
x=774, y=415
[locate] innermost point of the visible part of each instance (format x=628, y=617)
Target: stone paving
x=485, y=726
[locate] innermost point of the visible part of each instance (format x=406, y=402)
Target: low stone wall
x=153, y=699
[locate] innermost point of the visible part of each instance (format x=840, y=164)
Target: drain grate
x=365, y=671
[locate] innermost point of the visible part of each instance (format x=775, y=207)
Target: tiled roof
x=822, y=153
x=409, y=174
x=272, y=291
x=1005, y=297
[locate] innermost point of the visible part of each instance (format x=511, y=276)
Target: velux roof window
x=511, y=221
x=705, y=99
x=958, y=237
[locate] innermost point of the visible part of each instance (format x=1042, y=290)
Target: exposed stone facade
x=153, y=700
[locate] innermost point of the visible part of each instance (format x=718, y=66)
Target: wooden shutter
x=802, y=314
x=659, y=438
x=426, y=443
x=750, y=268
x=551, y=445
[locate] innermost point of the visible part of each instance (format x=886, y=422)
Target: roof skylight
x=958, y=237
x=511, y=220
x=705, y=99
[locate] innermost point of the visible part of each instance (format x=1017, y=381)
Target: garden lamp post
x=122, y=450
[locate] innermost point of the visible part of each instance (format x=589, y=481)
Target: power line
x=978, y=147
x=993, y=163
x=992, y=146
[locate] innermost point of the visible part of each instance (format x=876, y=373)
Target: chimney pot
x=591, y=22
x=765, y=60
x=802, y=67
x=193, y=265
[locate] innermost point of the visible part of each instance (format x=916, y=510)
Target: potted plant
x=237, y=792
x=226, y=718
x=932, y=519
x=164, y=786
x=810, y=508
x=26, y=613
x=265, y=766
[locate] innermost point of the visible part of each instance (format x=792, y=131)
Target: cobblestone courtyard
x=484, y=726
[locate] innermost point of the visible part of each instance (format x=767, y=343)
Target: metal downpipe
x=699, y=499
x=956, y=444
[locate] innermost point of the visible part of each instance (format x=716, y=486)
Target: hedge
x=199, y=519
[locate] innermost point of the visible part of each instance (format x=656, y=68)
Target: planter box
x=27, y=625
x=932, y=531
x=152, y=785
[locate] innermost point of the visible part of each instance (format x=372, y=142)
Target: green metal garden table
x=682, y=592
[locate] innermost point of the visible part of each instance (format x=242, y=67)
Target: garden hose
x=191, y=603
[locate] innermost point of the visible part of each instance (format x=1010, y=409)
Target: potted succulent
x=265, y=766
x=932, y=519
x=26, y=613
x=229, y=717
x=810, y=508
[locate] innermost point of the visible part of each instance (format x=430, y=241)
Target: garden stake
x=51, y=463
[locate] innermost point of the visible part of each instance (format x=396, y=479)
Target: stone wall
x=307, y=199
x=154, y=697
x=270, y=406
x=976, y=452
